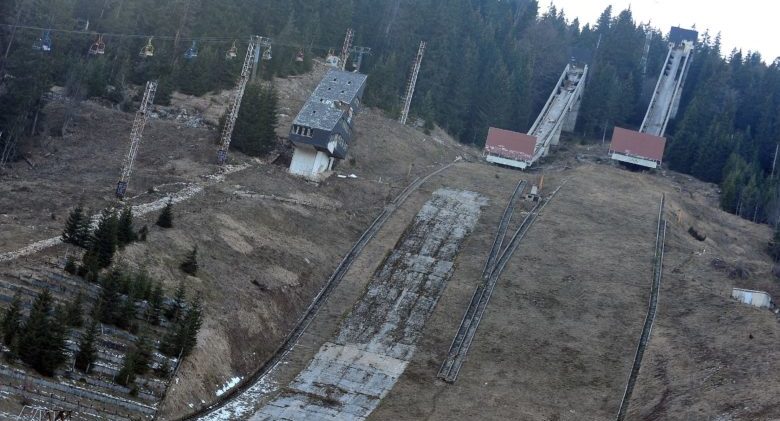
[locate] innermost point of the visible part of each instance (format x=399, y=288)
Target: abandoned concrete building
x=637, y=148
x=323, y=129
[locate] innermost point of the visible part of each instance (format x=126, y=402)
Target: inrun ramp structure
x=558, y=114
x=666, y=97
x=628, y=146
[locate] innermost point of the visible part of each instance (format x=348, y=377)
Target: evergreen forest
x=488, y=63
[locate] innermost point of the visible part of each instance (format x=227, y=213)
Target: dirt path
x=186, y=193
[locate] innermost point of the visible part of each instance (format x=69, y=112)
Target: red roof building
x=637, y=148
x=509, y=148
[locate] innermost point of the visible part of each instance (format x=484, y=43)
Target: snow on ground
x=243, y=405
x=228, y=385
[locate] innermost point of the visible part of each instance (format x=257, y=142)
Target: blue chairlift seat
x=44, y=42
x=192, y=52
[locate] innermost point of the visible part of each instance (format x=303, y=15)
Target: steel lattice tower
x=412, y=83
x=136, y=133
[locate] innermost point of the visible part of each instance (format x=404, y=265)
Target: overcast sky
x=744, y=24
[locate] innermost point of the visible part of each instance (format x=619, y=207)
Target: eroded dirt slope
x=267, y=241
x=559, y=334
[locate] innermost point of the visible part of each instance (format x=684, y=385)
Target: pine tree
x=126, y=315
x=255, y=131
x=136, y=362
x=83, y=230
x=90, y=267
x=190, y=264
x=34, y=334
x=70, y=265
x=126, y=375
x=173, y=312
x=104, y=240
x=74, y=312
x=42, y=339
x=87, y=353
x=181, y=339
x=141, y=288
x=56, y=352
x=109, y=300
x=72, y=232
x=12, y=320
x=774, y=247
x=165, y=220
x=142, y=355
x=192, y=322
x=125, y=233
x=154, y=310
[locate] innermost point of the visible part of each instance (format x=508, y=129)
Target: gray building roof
x=320, y=110
x=319, y=115
x=338, y=85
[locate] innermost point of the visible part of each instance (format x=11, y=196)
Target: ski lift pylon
x=191, y=52
x=232, y=52
x=44, y=42
x=98, y=47
x=148, y=50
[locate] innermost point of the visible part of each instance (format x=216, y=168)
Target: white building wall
x=508, y=162
x=310, y=163
x=321, y=163
x=753, y=298
x=634, y=160
x=303, y=161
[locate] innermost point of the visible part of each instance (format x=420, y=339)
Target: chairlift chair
x=148, y=50
x=81, y=25
x=332, y=59
x=98, y=47
x=299, y=56
x=267, y=53
x=44, y=42
x=232, y=52
x=191, y=52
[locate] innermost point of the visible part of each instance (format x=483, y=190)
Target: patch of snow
x=228, y=385
x=244, y=405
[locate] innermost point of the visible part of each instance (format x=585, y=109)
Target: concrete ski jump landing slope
x=350, y=375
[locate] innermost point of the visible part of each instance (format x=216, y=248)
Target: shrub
x=695, y=234
x=165, y=220
x=190, y=264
